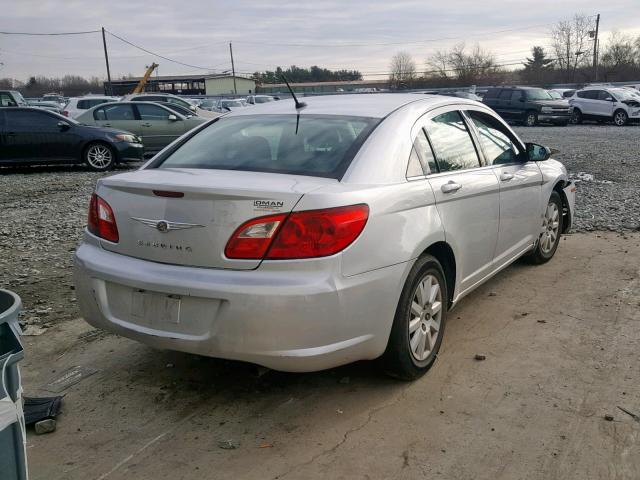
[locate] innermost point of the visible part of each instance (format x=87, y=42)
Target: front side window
x=452, y=142
x=516, y=95
x=316, y=145
x=115, y=112
x=495, y=141
x=604, y=95
x=152, y=112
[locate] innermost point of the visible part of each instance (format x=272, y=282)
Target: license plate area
x=155, y=309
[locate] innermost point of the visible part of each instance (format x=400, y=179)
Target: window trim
x=509, y=134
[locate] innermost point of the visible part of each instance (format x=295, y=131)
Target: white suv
x=605, y=103
x=77, y=105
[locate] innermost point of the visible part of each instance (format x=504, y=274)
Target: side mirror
x=63, y=125
x=172, y=118
x=538, y=153
x=193, y=108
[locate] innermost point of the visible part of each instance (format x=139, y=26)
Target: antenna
x=299, y=104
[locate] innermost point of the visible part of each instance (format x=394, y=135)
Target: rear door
x=467, y=195
x=520, y=185
x=31, y=135
x=588, y=101
x=156, y=127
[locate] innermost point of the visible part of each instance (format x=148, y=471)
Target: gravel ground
x=43, y=211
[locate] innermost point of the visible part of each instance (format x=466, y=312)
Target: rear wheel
x=549, y=238
x=99, y=156
x=620, y=118
x=531, y=118
x=576, y=117
x=418, y=326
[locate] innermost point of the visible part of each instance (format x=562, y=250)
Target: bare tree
x=571, y=44
x=620, y=57
x=403, y=70
x=466, y=66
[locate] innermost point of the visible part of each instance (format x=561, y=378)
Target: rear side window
x=115, y=112
x=89, y=103
x=315, y=145
x=505, y=94
x=495, y=140
x=588, y=94
x=452, y=142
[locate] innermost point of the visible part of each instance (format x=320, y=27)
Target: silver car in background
x=305, y=238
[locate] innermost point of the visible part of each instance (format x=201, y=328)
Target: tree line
x=569, y=60
x=313, y=74
x=70, y=85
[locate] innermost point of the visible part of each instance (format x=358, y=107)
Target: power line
x=157, y=54
x=49, y=34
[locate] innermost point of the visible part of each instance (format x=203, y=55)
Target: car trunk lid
x=186, y=216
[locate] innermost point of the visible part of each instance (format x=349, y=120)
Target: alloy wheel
x=99, y=157
x=620, y=118
x=550, y=228
x=425, y=317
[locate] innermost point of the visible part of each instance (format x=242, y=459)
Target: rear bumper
x=304, y=318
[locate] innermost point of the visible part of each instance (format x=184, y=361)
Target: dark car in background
x=30, y=135
x=528, y=105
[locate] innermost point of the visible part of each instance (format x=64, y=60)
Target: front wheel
x=99, y=157
x=418, y=325
x=551, y=229
x=620, y=118
x=576, y=117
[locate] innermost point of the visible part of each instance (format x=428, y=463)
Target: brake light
x=101, y=221
x=307, y=234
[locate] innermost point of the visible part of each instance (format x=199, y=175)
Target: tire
x=576, y=117
x=403, y=357
x=549, y=238
x=99, y=157
x=531, y=118
x=620, y=118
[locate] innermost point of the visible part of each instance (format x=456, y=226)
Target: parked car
x=54, y=97
x=51, y=106
x=225, y=105
x=255, y=99
x=528, y=105
x=33, y=135
x=303, y=239
x=618, y=105
x=208, y=104
x=167, y=98
x=186, y=112
x=564, y=92
x=156, y=124
x=76, y=105
x=461, y=94
x=12, y=98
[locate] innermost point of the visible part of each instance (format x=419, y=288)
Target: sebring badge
x=165, y=225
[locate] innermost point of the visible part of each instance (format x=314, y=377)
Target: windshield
x=207, y=103
x=623, y=94
x=263, y=99
x=317, y=145
x=537, y=94
x=555, y=95
x=19, y=98
x=179, y=101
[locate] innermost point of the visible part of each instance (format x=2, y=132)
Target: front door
x=117, y=115
x=520, y=186
x=159, y=125
x=467, y=196
x=603, y=106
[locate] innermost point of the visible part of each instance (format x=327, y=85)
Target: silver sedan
x=306, y=238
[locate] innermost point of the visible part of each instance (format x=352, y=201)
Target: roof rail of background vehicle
x=376, y=105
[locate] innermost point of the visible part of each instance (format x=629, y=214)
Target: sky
x=349, y=34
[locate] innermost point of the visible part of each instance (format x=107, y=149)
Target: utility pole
x=595, y=50
x=106, y=59
x=233, y=70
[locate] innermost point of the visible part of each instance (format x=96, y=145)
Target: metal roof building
x=219, y=84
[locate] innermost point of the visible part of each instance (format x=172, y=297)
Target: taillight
x=101, y=221
x=252, y=239
x=307, y=234
x=65, y=113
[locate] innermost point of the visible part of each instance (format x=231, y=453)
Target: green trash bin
x=13, y=456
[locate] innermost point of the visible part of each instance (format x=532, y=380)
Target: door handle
x=106, y=125
x=450, y=187
x=505, y=176
x=146, y=124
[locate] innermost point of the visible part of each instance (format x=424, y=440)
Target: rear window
x=315, y=145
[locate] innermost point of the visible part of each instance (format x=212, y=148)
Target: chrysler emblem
x=165, y=225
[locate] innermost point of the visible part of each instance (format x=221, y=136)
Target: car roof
x=376, y=105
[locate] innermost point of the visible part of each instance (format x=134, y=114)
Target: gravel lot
x=43, y=211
